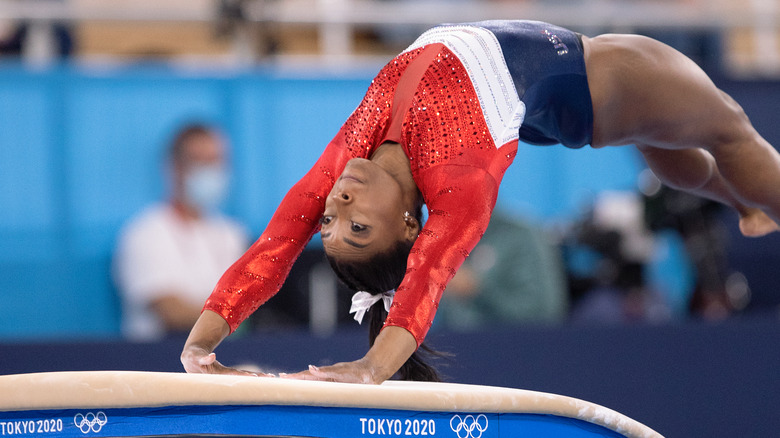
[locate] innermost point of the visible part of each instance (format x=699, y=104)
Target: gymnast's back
x=547, y=67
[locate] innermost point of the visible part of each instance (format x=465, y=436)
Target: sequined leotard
x=454, y=104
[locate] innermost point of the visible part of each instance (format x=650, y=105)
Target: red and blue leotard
x=455, y=105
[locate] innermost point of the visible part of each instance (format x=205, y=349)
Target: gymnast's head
x=368, y=233
x=369, y=213
x=371, y=220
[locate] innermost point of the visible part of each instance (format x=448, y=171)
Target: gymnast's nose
x=342, y=196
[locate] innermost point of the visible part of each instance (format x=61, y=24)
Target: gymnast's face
x=364, y=213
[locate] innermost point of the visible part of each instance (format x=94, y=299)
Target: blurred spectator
x=513, y=275
x=171, y=255
x=719, y=291
x=606, y=256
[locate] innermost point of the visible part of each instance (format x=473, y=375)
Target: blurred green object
x=515, y=274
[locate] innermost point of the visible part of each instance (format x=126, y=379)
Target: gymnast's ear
x=411, y=227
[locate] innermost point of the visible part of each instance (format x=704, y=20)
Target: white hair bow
x=362, y=301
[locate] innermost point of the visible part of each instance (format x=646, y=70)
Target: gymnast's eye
x=357, y=227
x=325, y=220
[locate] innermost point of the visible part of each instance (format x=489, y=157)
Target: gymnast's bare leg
x=693, y=136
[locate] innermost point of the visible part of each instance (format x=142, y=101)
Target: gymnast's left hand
x=391, y=349
x=346, y=372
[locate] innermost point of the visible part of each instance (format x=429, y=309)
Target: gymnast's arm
x=198, y=354
x=391, y=349
x=261, y=271
x=460, y=203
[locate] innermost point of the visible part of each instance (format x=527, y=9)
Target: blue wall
x=81, y=150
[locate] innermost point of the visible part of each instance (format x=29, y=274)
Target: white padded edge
x=129, y=389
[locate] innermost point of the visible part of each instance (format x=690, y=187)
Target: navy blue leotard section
x=547, y=65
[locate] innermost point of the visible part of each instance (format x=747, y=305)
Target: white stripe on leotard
x=480, y=53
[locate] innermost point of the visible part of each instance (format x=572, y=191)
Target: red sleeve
x=260, y=272
x=459, y=211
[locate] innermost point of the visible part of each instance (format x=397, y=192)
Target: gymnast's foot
x=755, y=223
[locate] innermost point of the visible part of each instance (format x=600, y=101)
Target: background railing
x=335, y=31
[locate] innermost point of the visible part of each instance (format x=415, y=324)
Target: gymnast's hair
x=380, y=273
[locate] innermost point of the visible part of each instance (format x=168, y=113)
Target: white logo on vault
x=90, y=422
x=469, y=426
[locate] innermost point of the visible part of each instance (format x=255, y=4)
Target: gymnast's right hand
x=198, y=360
x=198, y=354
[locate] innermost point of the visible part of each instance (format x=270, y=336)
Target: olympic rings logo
x=469, y=426
x=90, y=422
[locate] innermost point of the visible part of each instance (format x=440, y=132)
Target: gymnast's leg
x=694, y=171
x=694, y=136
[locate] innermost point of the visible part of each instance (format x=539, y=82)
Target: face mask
x=205, y=187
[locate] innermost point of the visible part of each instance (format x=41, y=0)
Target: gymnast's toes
x=756, y=224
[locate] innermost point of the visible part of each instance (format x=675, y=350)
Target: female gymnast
x=438, y=126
